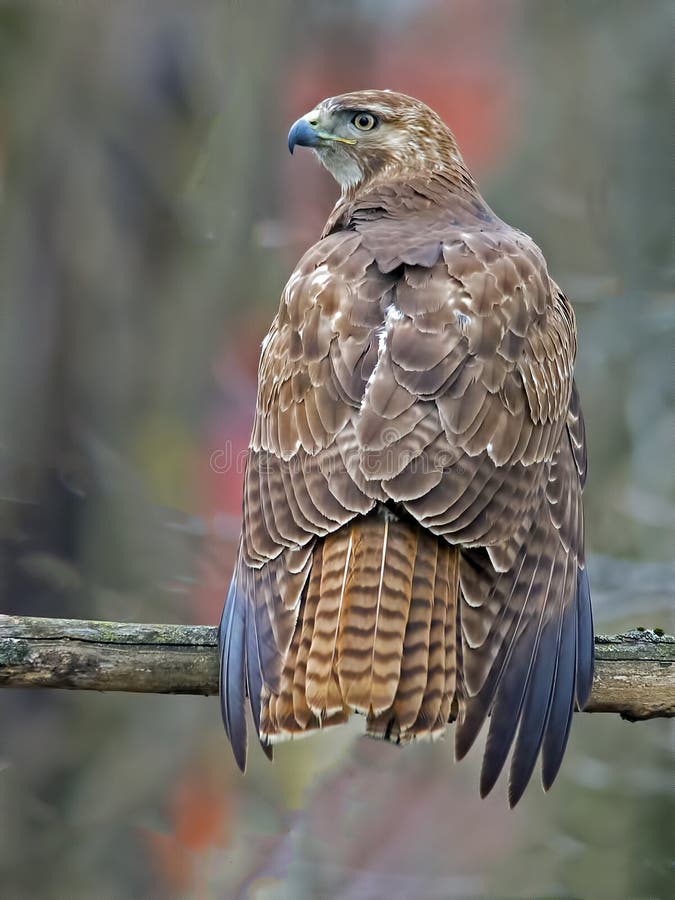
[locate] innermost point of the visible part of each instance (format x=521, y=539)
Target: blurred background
x=149, y=217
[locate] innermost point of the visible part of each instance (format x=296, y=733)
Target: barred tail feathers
x=376, y=634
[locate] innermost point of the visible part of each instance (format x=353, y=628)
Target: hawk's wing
x=474, y=420
x=424, y=358
x=313, y=371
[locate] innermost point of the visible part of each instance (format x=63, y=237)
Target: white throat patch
x=344, y=169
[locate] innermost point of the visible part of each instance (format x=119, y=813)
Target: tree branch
x=634, y=672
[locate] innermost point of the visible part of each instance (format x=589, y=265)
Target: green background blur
x=149, y=216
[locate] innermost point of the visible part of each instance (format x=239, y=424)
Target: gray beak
x=302, y=134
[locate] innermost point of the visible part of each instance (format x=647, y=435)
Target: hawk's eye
x=364, y=121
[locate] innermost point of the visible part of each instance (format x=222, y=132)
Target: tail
x=376, y=634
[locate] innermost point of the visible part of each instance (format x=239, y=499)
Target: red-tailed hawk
x=412, y=541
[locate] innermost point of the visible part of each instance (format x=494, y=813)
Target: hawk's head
x=369, y=134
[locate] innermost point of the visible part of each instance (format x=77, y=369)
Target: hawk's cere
x=412, y=542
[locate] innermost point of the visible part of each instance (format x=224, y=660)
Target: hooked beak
x=306, y=132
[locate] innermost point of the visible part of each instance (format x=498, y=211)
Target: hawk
x=412, y=539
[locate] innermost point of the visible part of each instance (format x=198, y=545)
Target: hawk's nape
x=412, y=539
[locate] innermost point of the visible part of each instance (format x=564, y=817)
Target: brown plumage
x=412, y=541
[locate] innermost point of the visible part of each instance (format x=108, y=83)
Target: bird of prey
x=412, y=539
